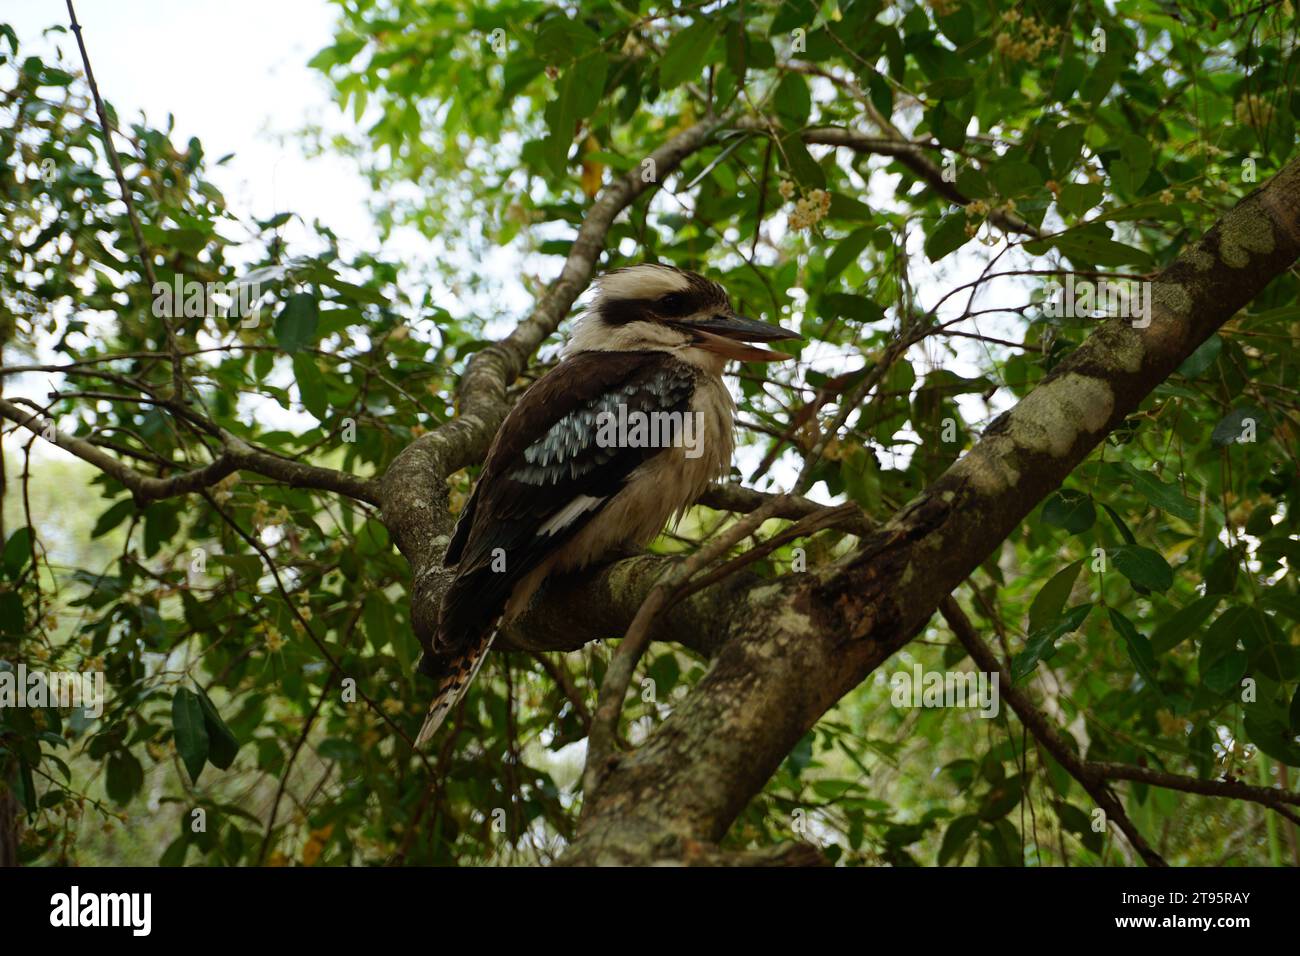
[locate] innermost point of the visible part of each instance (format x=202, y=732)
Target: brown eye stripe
x=622, y=311
x=674, y=305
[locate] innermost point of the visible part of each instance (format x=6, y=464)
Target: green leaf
x=958, y=26
x=856, y=307
x=1077, y=198
x=949, y=126
x=1089, y=249
x=792, y=99
x=1260, y=521
x=1119, y=524
x=588, y=77
x=295, y=326
x=1139, y=648
x=1144, y=567
x=18, y=551
x=161, y=524
x=337, y=748
x=1220, y=639
x=51, y=76
x=1051, y=597
x=561, y=121
x=1206, y=354
x=848, y=208
x=113, y=517
x=882, y=94
x=847, y=251
x=687, y=50
x=1011, y=178
x=1068, y=77
x=1102, y=76
x=1273, y=739
x=1225, y=674
x=174, y=855
x=25, y=785
x=123, y=777
x=800, y=163
x=1136, y=151
x=222, y=743
x=1071, y=510
x=948, y=235
x=578, y=94
x=956, y=837
x=1160, y=495
x=191, y=733
x=1183, y=624
x=1242, y=425
x=560, y=39
x=1221, y=569
x=246, y=566
x=1064, y=144
x=311, y=385
x=1042, y=644
x=1002, y=799
x=13, y=618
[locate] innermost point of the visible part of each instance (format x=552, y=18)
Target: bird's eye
x=674, y=303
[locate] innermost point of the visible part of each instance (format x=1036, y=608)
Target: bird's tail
x=452, y=686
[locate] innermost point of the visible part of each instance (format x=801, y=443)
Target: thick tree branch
x=618, y=675
x=796, y=647
x=236, y=455
x=599, y=604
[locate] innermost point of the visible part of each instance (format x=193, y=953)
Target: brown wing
x=545, y=477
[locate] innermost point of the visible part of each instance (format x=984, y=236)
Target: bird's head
x=662, y=308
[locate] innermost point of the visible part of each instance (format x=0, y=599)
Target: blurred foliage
x=1134, y=602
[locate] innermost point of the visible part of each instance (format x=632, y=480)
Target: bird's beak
x=727, y=334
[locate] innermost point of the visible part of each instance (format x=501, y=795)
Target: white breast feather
x=663, y=487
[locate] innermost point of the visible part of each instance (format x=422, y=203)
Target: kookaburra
x=625, y=432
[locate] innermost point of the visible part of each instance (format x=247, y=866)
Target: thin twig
x=1044, y=732
x=178, y=377
x=609, y=704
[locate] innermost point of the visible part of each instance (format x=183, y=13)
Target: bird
x=596, y=457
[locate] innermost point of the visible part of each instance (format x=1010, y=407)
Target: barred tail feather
x=453, y=688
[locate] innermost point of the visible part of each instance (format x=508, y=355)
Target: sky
x=235, y=75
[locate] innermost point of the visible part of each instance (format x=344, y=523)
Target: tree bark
x=9, y=823
x=795, y=646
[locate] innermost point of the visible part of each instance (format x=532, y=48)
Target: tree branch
x=796, y=646
x=1044, y=732
x=413, y=490
x=236, y=455
x=618, y=675
x=914, y=158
